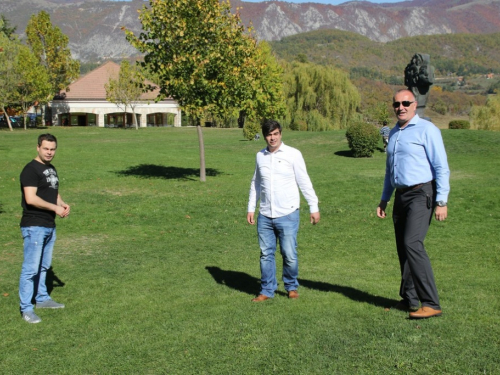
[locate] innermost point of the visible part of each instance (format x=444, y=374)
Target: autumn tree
x=8, y=52
x=32, y=81
x=50, y=46
x=204, y=57
x=126, y=90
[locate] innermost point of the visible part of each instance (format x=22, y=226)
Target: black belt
x=409, y=188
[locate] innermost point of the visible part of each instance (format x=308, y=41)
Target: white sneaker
x=49, y=304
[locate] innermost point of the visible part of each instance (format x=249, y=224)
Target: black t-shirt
x=44, y=178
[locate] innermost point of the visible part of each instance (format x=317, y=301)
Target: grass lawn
x=157, y=269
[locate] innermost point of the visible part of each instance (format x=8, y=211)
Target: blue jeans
x=38, y=247
x=285, y=230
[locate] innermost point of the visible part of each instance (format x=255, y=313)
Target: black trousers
x=412, y=215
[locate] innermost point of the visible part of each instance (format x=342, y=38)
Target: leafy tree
x=203, y=56
x=486, y=117
x=266, y=99
x=5, y=27
x=127, y=89
x=32, y=80
x=321, y=97
x=50, y=46
x=8, y=52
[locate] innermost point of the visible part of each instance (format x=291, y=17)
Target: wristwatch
x=441, y=203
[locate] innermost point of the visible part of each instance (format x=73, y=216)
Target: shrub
x=459, y=124
x=363, y=138
x=250, y=129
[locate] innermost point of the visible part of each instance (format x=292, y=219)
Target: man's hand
x=381, y=209
x=65, y=211
x=315, y=218
x=441, y=213
x=250, y=218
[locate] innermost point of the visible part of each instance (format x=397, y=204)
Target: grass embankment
x=157, y=269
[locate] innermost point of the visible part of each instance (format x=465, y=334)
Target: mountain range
x=94, y=27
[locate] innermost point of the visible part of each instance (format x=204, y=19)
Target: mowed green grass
x=157, y=269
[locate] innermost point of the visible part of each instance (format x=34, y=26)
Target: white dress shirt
x=276, y=182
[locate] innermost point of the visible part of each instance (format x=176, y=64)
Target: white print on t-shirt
x=51, y=178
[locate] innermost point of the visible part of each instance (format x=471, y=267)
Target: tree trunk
x=202, y=152
x=7, y=118
x=134, y=119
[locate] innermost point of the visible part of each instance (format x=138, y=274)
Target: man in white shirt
x=280, y=171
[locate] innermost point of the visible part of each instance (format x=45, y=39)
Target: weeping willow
x=319, y=97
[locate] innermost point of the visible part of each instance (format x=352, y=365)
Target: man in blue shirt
x=417, y=168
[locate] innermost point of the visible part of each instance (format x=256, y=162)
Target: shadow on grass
x=349, y=292
x=235, y=280
x=345, y=153
x=245, y=283
x=52, y=281
x=169, y=173
x=1, y=208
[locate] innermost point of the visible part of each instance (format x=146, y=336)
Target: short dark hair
x=46, y=137
x=270, y=125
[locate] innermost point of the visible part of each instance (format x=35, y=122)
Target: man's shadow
x=349, y=292
x=51, y=282
x=245, y=283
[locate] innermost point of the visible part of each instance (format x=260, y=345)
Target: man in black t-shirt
x=41, y=203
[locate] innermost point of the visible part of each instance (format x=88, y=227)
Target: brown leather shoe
x=425, y=312
x=405, y=306
x=260, y=298
x=293, y=294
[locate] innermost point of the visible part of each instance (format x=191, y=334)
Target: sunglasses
x=405, y=103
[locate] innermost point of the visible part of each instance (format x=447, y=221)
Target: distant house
x=85, y=104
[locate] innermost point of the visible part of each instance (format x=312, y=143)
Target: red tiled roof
x=91, y=85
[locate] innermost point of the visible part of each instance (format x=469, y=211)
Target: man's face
x=404, y=114
x=273, y=140
x=46, y=151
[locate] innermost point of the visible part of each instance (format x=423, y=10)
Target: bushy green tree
x=8, y=55
x=204, y=57
x=322, y=97
x=5, y=27
x=32, y=81
x=50, y=46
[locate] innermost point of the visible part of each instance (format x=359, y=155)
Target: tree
x=8, y=52
x=32, y=81
x=319, y=97
x=50, y=46
x=127, y=89
x=486, y=117
x=204, y=57
x=6, y=29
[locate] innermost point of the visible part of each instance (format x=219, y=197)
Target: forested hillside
x=456, y=54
